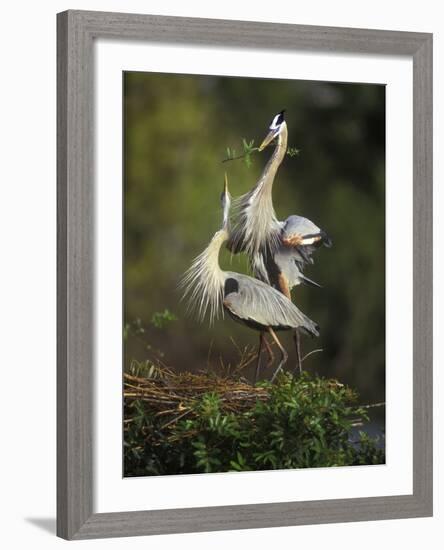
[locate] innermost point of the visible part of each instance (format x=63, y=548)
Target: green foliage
x=161, y=319
x=248, y=150
x=135, y=327
x=293, y=151
x=305, y=422
x=139, y=331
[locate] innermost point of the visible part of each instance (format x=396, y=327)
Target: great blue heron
x=247, y=300
x=278, y=250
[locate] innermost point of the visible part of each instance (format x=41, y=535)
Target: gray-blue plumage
x=278, y=250
x=247, y=300
x=255, y=303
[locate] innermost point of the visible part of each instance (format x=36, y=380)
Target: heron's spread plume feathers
x=255, y=224
x=204, y=281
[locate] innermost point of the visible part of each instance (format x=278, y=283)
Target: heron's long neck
x=265, y=182
x=211, y=256
x=261, y=224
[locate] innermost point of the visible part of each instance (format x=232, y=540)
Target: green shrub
x=304, y=422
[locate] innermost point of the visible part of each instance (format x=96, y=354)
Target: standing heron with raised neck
x=247, y=300
x=278, y=251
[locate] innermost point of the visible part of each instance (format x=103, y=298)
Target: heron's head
x=277, y=125
x=225, y=199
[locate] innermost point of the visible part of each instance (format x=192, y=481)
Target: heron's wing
x=297, y=224
x=304, y=235
x=255, y=301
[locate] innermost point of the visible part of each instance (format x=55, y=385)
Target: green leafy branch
x=293, y=151
x=249, y=149
x=161, y=319
x=138, y=330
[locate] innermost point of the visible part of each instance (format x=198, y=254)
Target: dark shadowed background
x=177, y=129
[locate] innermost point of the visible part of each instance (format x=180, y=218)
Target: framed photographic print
x=244, y=274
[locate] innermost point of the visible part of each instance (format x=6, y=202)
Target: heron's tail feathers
x=308, y=281
x=310, y=327
x=326, y=240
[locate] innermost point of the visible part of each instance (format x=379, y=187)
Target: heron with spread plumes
x=278, y=251
x=247, y=300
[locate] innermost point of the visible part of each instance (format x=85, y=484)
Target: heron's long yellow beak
x=268, y=139
x=226, y=184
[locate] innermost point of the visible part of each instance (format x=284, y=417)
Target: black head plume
x=277, y=120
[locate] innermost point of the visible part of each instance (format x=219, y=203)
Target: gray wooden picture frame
x=76, y=32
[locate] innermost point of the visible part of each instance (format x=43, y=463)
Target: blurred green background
x=177, y=129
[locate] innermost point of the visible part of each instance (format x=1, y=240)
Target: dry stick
x=382, y=404
x=175, y=419
x=236, y=345
x=249, y=360
x=311, y=353
x=209, y=353
x=359, y=422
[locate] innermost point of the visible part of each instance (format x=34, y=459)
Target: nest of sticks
x=172, y=394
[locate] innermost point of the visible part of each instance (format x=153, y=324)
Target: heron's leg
x=284, y=353
x=297, y=343
x=270, y=352
x=284, y=287
x=259, y=353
